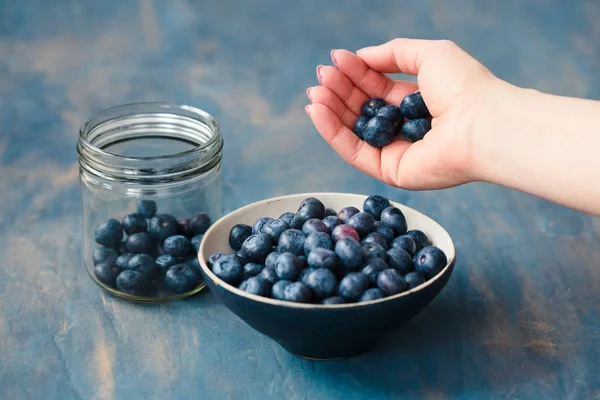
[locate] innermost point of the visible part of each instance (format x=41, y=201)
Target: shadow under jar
x=150, y=176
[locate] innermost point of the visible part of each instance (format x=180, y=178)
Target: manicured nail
x=307, y=109
x=319, y=77
x=308, y=93
x=365, y=49
x=333, y=57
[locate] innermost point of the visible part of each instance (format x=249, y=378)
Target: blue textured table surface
x=519, y=318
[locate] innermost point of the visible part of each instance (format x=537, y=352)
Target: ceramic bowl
x=322, y=331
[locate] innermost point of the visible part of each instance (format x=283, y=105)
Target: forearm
x=545, y=145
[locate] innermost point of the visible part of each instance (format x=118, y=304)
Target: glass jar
x=150, y=176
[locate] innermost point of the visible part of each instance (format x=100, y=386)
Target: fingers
x=323, y=95
x=338, y=83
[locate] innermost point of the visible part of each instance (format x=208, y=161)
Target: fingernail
x=333, y=57
x=365, y=49
x=307, y=109
x=319, y=77
x=308, y=93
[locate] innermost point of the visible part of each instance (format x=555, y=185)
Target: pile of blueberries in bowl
x=150, y=255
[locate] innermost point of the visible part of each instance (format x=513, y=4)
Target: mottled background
x=519, y=318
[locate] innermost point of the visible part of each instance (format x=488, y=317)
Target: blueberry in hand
x=400, y=260
x=346, y=213
x=229, y=269
x=104, y=255
x=420, y=238
x=405, y=243
x=134, y=283
x=430, y=261
x=182, y=278
x=395, y=219
x=317, y=240
x=414, y=279
x=322, y=282
x=414, y=130
x=329, y=212
x=107, y=273
x=278, y=289
x=271, y=259
x=287, y=217
x=134, y=223
x=256, y=248
x=353, y=285
x=373, y=250
x=238, y=234
x=314, y=225
x=196, y=241
x=199, y=224
x=376, y=238
x=123, y=260
x=252, y=269
x=362, y=223
x=391, y=282
x=269, y=275
x=372, y=268
x=297, y=292
x=259, y=225
x=374, y=205
x=177, y=246
x=292, y=241
x=392, y=113
x=162, y=226
x=331, y=222
x=372, y=294
x=256, y=285
x=309, y=208
x=323, y=258
x=344, y=231
x=333, y=300
x=384, y=230
x=359, y=126
x=213, y=258
x=350, y=252
x=371, y=107
x=109, y=234
x=413, y=106
x=274, y=228
x=380, y=132
x=144, y=264
x=165, y=262
x=140, y=243
x=288, y=267
x=146, y=208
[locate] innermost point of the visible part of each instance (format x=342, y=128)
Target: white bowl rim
x=268, y=300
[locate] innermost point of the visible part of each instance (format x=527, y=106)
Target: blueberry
x=134, y=283
x=331, y=222
x=292, y=241
x=256, y=285
x=344, y=231
x=304, y=273
x=229, y=269
x=346, y=213
x=350, y=252
x=372, y=269
x=199, y=224
x=271, y=259
x=392, y=113
x=288, y=267
x=395, y=219
x=391, y=282
x=241, y=257
x=160, y=250
x=405, y=243
x=123, y=260
x=109, y=234
x=196, y=241
x=256, y=248
x=372, y=294
x=314, y=225
x=317, y=240
x=192, y=261
x=122, y=247
x=373, y=250
x=400, y=260
x=353, y=285
x=304, y=260
x=333, y=300
x=374, y=205
x=309, y=208
x=413, y=106
x=380, y=132
x=278, y=289
x=146, y=208
x=213, y=258
x=134, y=223
x=384, y=230
x=182, y=278
x=145, y=264
x=414, y=279
x=376, y=238
x=238, y=234
x=183, y=227
x=104, y=255
x=274, y=228
x=359, y=126
x=362, y=223
x=259, y=225
x=287, y=217
x=323, y=258
x=420, y=238
x=330, y=212
x=322, y=282
x=252, y=269
x=414, y=130
x=178, y=246
x=107, y=273
x=165, y=262
x=297, y=292
x=269, y=275
x=372, y=106
x=430, y=261
x=140, y=243
x=162, y=226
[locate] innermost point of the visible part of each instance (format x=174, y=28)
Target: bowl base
x=330, y=354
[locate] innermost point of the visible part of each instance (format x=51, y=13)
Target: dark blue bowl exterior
x=329, y=333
